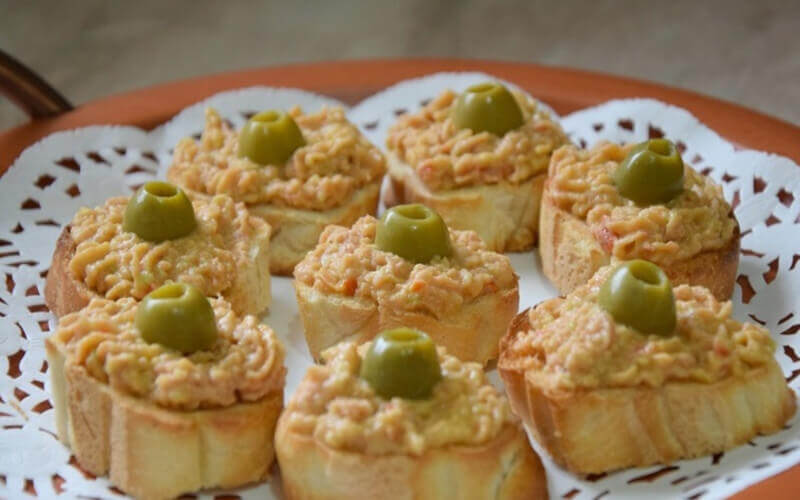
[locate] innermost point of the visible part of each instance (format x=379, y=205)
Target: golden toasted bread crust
x=571, y=254
x=504, y=468
x=62, y=293
x=296, y=231
x=152, y=452
x=471, y=334
x=505, y=215
x=594, y=431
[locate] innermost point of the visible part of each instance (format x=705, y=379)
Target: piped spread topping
x=339, y=408
x=334, y=162
x=574, y=343
x=446, y=157
x=347, y=262
x=244, y=362
x=697, y=219
x=115, y=263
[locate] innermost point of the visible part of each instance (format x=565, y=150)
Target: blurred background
x=745, y=51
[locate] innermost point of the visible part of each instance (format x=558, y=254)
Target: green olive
x=651, y=173
x=639, y=294
x=179, y=316
x=270, y=138
x=487, y=107
x=414, y=232
x=159, y=211
x=402, y=363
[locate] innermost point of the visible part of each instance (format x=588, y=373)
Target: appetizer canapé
x=479, y=158
x=626, y=371
x=298, y=171
x=639, y=201
x=399, y=418
x=406, y=269
x=168, y=395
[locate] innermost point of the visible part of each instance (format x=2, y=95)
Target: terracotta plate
x=565, y=90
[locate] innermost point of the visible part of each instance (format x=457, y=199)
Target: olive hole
x=647, y=274
x=415, y=212
x=172, y=291
x=481, y=87
x=161, y=189
x=660, y=147
x=403, y=335
x=267, y=117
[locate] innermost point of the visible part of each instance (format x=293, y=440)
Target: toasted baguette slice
x=250, y=293
x=295, y=231
x=63, y=293
x=594, y=431
x=571, y=254
x=471, y=334
x=505, y=215
x=504, y=468
x=152, y=452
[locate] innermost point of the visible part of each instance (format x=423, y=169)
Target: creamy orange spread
x=444, y=157
x=340, y=409
x=347, y=262
x=245, y=363
x=574, y=343
x=697, y=220
x=114, y=263
x=335, y=163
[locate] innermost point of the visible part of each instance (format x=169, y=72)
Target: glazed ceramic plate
x=79, y=168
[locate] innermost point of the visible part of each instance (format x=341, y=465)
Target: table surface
x=564, y=89
x=741, y=50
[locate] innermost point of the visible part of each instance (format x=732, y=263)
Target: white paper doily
x=54, y=177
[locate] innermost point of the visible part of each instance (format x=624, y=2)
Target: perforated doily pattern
x=53, y=178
